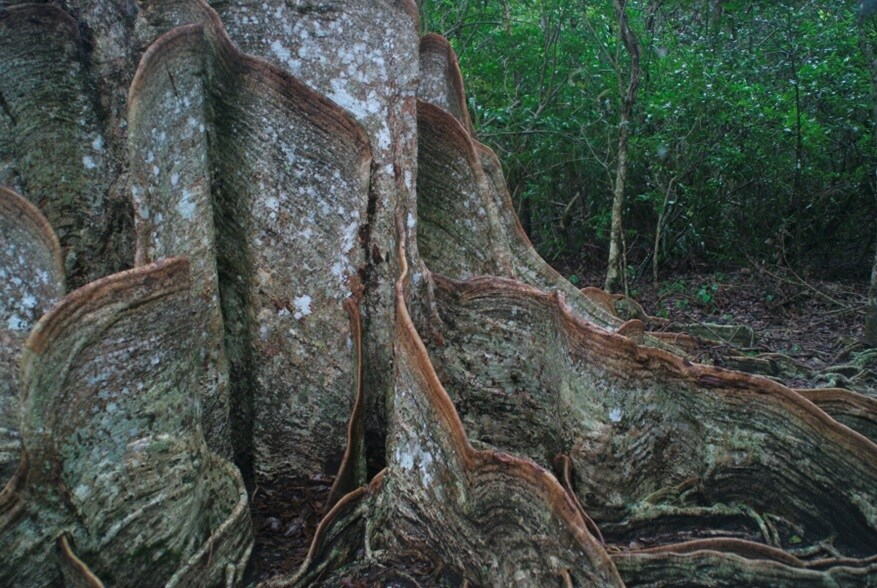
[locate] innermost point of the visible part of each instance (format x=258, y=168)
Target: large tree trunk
x=330, y=281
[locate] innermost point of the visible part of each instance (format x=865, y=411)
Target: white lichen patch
x=385, y=138
x=405, y=460
x=415, y=459
x=280, y=51
x=16, y=323
x=29, y=301
x=302, y=306
x=348, y=236
x=186, y=206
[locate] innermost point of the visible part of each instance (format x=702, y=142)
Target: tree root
x=114, y=455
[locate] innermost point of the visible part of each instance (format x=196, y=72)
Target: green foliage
x=706, y=294
x=752, y=133
x=671, y=287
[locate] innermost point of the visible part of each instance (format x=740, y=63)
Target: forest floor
x=285, y=518
x=286, y=515
x=815, y=322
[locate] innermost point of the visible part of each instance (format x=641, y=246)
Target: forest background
x=751, y=135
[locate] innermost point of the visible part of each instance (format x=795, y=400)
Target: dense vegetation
x=752, y=129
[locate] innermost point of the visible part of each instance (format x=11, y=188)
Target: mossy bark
x=357, y=297
x=114, y=459
x=31, y=282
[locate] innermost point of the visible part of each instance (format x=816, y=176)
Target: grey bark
x=615, y=278
x=358, y=297
x=31, y=282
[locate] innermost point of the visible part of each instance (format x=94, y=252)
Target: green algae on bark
x=286, y=167
x=661, y=450
x=488, y=517
x=58, y=154
x=265, y=184
x=115, y=457
x=31, y=281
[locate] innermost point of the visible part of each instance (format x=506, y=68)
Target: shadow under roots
x=285, y=515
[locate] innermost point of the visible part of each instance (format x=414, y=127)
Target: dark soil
x=285, y=516
x=815, y=322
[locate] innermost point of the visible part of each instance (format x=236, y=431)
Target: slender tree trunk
x=614, y=271
x=797, y=204
x=871, y=321
x=866, y=42
x=659, y=227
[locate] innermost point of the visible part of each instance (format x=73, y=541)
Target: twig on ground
x=798, y=281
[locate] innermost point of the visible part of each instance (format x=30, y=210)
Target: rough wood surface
x=115, y=454
x=489, y=517
x=468, y=227
x=498, y=519
x=717, y=567
x=362, y=55
x=441, y=82
x=31, y=281
x=854, y=408
x=662, y=450
x=55, y=149
x=289, y=158
x=265, y=184
x=857, y=411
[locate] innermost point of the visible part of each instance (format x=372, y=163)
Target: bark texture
x=264, y=184
x=871, y=320
x=363, y=55
x=114, y=457
x=31, y=282
x=616, y=264
x=331, y=280
x=62, y=146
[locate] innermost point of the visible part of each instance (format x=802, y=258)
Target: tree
x=627, y=38
x=768, y=84
x=866, y=41
x=871, y=318
x=330, y=280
